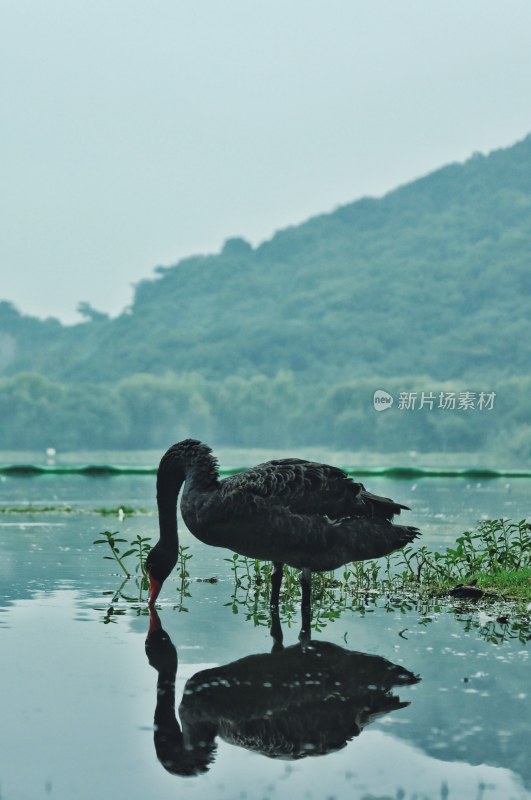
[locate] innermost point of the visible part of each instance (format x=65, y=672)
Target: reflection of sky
x=78, y=707
x=378, y=764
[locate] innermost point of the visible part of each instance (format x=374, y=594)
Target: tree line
x=150, y=412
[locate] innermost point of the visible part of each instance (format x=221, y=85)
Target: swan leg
x=305, y=634
x=306, y=586
x=276, y=581
x=306, y=606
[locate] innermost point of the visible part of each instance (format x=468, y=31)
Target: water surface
x=80, y=692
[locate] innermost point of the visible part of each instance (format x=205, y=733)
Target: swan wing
x=307, y=487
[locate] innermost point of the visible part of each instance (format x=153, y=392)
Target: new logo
x=382, y=400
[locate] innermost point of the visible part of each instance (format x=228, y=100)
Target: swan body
x=289, y=511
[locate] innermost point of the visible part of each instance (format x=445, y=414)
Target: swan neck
x=189, y=461
x=167, y=495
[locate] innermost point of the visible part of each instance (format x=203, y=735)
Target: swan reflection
x=298, y=701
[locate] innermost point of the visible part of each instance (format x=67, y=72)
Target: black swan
x=288, y=511
x=292, y=703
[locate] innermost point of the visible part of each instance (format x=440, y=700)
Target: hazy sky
x=134, y=133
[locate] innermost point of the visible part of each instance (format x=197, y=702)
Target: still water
x=387, y=701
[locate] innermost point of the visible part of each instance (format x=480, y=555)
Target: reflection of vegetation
x=495, y=628
x=330, y=599
x=503, y=622
x=112, y=612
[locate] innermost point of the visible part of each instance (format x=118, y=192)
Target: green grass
x=503, y=585
x=508, y=584
x=496, y=557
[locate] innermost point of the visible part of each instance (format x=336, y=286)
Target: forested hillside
x=426, y=288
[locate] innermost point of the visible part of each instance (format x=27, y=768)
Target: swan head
x=159, y=564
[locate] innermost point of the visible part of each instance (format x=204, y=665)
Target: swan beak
x=154, y=588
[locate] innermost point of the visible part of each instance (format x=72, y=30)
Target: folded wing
x=306, y=487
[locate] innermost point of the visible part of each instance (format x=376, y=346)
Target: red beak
x=154, y=588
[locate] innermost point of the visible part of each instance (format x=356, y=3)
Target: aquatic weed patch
x=494, y=561
x=120, y=511
x=496, y=554
x=130, y=556
x=30, y=508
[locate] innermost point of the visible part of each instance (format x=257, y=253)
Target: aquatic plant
x=496, y=557
x=139, y=548
x=496, y=546
x=112, y=538
x=120, y=511
x=183, y=558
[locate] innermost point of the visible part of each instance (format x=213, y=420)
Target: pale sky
x=135, y=133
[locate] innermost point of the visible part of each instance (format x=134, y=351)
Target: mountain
x=432, y=279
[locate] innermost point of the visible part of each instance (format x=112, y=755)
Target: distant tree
x=90, y=313
x=236, y=246
x=8, y=312
x=424, y=289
